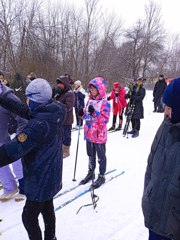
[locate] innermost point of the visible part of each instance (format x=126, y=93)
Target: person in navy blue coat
x=39, y=146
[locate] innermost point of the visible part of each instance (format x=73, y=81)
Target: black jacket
x=161, y=197
x=136, y=96
x=159, y=89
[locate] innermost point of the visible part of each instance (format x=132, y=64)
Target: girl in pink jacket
x=96, y=116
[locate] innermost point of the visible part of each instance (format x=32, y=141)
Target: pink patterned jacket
x=95, y=128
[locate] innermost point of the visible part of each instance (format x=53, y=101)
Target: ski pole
x=77, y=150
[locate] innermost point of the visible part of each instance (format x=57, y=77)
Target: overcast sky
x=130, y=11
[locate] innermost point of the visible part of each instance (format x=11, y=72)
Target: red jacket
x=119, y=102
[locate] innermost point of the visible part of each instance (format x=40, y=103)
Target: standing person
x=19, y=85
x=119, y=103
x=9, y=183
x=79, y=101
x=136, y=95
x=3, y=80
x=161, y=197
x=66, y=96
x=32, y=76
x=158, y=91
x=96, y=116
x=39, y=146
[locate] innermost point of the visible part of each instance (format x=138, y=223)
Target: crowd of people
x=42, y=134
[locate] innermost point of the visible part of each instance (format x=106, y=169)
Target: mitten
x=91, y=109
x=108, y=98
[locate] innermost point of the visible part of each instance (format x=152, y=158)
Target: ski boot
x=131, y=132
x=88, y=177
x=118, y=128
x=99, y=181
x=111, y=128
x=135, y=134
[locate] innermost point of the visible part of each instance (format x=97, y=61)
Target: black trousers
x=67, y=134
x=100, y=149
x=30, y=215
x=136, y=124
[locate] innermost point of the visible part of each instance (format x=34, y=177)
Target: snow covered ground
x=118, y=214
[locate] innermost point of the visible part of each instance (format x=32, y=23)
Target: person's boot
x=135, y=134
x=6, y=197
x=118, y=128
x=114, y=123
x=88, y=177
x=112, y=128
x=131, y=132
x=100, y=180
x=49, y=237
x=66, y=151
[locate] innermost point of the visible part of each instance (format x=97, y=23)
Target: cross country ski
x=85, y=191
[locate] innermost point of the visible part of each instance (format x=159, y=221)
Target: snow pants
x=30, y=215
x=100, y=149
x=8, y=180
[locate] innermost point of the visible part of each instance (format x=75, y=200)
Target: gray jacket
x=5, y=117
x=161, y=197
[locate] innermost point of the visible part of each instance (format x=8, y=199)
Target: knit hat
x=78, y=83
x=39, y=90
x=171, y=98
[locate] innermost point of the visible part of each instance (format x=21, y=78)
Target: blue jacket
x=39, y=146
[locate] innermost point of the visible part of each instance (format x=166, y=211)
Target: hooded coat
x=67, y=97
x=95, y=127
x=38, y=145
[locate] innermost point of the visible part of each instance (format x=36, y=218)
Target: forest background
x=53, y=38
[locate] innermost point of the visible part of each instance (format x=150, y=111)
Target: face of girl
x=94, y=92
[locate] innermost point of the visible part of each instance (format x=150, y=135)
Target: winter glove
x=80, y=112
x=108, y=98
x=91, y=109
